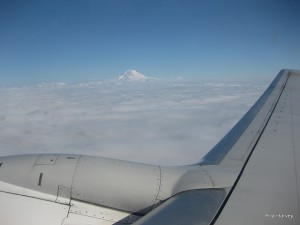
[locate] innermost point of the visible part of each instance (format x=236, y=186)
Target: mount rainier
x=133, y=75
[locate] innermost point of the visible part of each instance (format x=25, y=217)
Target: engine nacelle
x=116, y=184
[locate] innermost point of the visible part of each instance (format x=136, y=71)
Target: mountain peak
x=133, y=75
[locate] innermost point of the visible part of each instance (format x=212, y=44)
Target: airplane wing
x=264, y=146
x=267, y=188
x=250, y=177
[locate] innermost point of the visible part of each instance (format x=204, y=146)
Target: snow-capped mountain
x=133, y=75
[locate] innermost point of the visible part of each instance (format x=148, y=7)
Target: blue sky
x=88, y=40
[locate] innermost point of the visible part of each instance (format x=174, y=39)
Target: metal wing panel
x=267, y=191
x=18, y=209
x=88, y=214
x=190, y=207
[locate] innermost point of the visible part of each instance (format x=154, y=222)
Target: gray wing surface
x=267, y=191
x=263, y=149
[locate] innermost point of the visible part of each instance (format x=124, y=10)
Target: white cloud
x=167, y=123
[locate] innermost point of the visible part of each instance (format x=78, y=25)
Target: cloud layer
x=159, y=122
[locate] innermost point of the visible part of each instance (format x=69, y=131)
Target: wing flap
x=190, y=207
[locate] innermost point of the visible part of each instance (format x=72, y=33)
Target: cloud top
x=168, y=123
